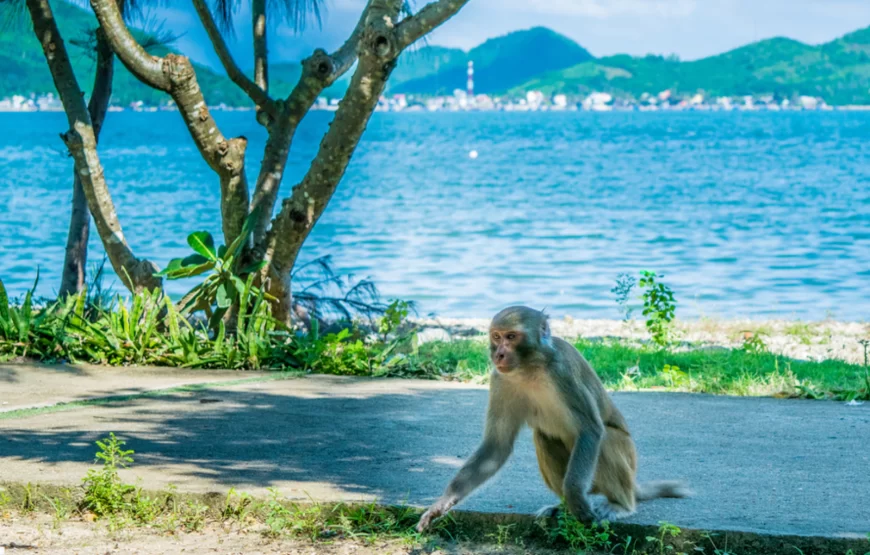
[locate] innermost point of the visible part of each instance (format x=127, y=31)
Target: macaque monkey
x=581, y=439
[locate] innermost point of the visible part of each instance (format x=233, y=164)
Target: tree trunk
x=76, y=258
x=136, y=274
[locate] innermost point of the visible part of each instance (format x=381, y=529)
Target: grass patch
x=623, y=367
x=151, y=332
x=725, y=371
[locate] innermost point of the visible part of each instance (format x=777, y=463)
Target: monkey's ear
x=546, y=338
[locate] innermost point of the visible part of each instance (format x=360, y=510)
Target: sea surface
x=754, y=215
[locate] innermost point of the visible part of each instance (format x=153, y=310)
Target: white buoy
x=472, y=154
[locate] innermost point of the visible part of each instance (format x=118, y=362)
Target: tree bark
x=76, y=257
x=378, y=50
x=81, y=140
x=318, y=72
x=175, y=75
x=261, y=52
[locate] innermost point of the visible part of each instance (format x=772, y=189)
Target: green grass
x=625, y=367
x=148, y=330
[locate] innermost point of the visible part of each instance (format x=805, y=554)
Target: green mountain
x=533, y=59
x=499, y=64
x=838, y=71
x=24, y=71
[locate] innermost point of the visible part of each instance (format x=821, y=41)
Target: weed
x=502, y=535
x=579, y=536
x=665, y=529
x=105, y=493
x=193, y=516
x=62, y=507
x=28, y=503
x=395, y=314
x=658, y=307
x=236, y=506
x=753, y=342
x=802, y=332
x=622, y=290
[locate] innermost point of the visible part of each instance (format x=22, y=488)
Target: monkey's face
x=505, y=348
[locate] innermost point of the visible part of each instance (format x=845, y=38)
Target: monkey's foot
x=547, y=512
x=605, y=511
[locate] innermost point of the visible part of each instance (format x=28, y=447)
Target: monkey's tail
x=648, y=491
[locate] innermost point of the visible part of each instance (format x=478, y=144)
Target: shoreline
x=812, y=340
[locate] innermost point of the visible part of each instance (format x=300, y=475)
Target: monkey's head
x=519, y=337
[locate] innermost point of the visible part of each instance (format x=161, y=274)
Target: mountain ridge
x=532, y=59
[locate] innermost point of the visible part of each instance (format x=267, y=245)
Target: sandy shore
x=815, y=341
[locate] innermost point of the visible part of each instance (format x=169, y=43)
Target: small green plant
x=193, y=516
x=665, y=529
x=658, y=307
x=579, y=536
x=394, y=316
x=105, y=493
x=28, y=503
x=237, y=506
x=753, y=342
x=62, y=507
x=224, y=287
x=675, y=377
x=502, y=535
x=622, y=290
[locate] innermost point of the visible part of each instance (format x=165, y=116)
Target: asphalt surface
x=756, y=465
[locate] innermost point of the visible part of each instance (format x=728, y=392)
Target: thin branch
x=256, y=94
x=432, y=15
x=148, y=68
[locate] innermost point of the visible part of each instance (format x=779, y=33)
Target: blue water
x=746, y=214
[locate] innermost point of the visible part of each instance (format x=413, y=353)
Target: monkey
x=582, y=441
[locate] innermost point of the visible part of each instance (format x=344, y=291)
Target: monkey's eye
x=496, y=336
x=511, y=336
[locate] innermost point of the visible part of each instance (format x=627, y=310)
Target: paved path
x=757, y=465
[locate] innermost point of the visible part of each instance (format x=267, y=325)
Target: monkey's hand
x=582, y=510
x=437, y=510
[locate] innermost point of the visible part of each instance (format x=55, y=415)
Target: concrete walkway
x=756, y=465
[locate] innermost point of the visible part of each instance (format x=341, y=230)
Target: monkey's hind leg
x=615, y=473
x=553, y=458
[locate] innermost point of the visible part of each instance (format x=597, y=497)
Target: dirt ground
x=25, y=535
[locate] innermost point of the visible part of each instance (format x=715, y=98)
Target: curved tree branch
x=82, y=143
x=318, y=72
x=432, y=15
x=255, y=92
x=226, y=157
x=147, y=68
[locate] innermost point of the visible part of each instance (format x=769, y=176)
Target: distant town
x=467, y=100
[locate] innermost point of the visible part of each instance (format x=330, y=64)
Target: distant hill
x=499, y=64
x=23, y=68
x=838, y=71
x=533, y=59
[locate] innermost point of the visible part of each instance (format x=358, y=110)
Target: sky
x=691, y=29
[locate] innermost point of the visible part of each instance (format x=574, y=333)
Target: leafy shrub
x=658, y=307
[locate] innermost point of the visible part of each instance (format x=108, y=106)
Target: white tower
x=470, y=87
